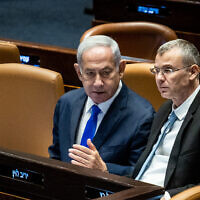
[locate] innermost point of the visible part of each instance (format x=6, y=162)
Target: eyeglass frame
x=167, y=67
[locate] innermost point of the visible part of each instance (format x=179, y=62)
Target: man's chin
x=165, y=95
x=99, y=98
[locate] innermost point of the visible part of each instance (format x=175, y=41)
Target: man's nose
x=98, y=80
x=160, y=76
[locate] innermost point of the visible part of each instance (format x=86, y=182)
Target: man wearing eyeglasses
x=172, y=156
x=103, y=125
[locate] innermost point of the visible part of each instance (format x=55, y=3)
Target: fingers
x=81, y=148
x=81, y=156
x=78, y=153
x=91, y=145
x=87, y=157
x=74, y=162
x=79, y=161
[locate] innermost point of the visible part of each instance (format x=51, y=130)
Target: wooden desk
x=25, y=176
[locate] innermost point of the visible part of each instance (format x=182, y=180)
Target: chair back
x=9, y=53
x=138, y=77
x=188, y=194
x=27, y=100
x=135, y=39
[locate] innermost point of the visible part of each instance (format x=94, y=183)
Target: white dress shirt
x=155, y=174
x=87, y=113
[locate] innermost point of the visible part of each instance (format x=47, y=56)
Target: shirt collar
x=104, y=106
x=182, y=110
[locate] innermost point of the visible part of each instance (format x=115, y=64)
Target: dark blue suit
x=121, y=136
x=184, y=162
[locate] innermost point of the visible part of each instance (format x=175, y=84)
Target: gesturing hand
x=87, y=157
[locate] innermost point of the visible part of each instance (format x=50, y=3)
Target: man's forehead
x=96, y=49
x=176, y=51
x=171, y=56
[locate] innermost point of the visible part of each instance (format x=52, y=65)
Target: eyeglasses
x=165, y=70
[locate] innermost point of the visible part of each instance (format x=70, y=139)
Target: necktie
x=91, y=125
x=167, y=127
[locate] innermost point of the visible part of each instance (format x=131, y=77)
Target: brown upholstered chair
x=138, y=77
x=135, y=39
x=9, y=53
x=27, y=100
x=188, y=194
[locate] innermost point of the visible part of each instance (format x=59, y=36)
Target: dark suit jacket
x=121, y=136
x=183, y=169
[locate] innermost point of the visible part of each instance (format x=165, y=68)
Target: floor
x=52, y=22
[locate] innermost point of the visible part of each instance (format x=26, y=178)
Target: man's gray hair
x=190, y=53
x=99, y=40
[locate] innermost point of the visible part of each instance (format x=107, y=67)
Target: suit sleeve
x=54, y=150
x=136, y=146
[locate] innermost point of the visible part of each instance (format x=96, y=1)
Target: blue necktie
x=168, y=125
x=91, y=125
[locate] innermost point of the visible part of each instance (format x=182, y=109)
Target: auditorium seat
x=27, y=100
x=138, y=77
x=188, y=194
x=9, y=52
x=135, y=39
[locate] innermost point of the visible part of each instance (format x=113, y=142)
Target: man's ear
x=122, y=66
x=78, y=71
x=194, y=71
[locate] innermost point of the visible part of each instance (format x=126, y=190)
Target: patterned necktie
x=91, y=125
x=167, y=127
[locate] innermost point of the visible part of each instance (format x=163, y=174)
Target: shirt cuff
x=167, y=196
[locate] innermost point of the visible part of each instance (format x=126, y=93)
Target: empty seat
x=138, y=77
x=9, y=53
x=135, y=39
x=27, y=100
x=188, y=194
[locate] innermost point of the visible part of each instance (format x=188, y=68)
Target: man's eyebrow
x=165, y=66
x=106, y=67
x=89, y=69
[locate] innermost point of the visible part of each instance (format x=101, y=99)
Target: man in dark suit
x=124, y=121
x=172, y=155
x=176, y=162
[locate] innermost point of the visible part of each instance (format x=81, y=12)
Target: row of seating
x=27, y=101
x=135, y=39
x=29, y=94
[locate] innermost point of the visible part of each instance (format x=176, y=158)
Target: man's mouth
x=98, y=92
x=163, y=89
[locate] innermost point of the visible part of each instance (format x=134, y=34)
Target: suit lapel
x=159, y=120
x=177, y=144
x=158, y=123
x=112, y=118
x=176, y=150
x=77, y=110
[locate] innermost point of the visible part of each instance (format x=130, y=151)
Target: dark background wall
x=52, y=22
